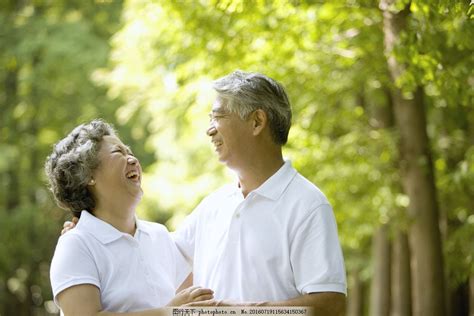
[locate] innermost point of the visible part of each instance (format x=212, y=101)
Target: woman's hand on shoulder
x=191, y=294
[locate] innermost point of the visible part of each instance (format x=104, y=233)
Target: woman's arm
x=84, y=300
x=188, y=282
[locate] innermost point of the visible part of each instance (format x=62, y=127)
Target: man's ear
x=259, y=121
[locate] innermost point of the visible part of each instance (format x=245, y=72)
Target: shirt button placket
x=145, y=267
x=238, y=210
x=234, y=229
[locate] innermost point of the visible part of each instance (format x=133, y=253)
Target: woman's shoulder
x=74, y=241
x=152, y=227
x=74, y=236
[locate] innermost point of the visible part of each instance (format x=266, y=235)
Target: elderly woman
x=112, y=261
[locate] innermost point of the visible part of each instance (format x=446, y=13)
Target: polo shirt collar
x=141, y=226
x=102, y=231
x=274, y=186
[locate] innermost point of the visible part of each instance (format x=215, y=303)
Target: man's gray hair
x=69, y=167
x=245, y=92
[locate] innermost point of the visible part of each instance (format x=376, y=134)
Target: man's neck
x=257, y=172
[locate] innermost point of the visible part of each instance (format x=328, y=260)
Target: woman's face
x=119, y=172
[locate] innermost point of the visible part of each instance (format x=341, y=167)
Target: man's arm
x=322, y=303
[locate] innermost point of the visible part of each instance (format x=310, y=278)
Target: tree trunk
x=380, y=287
x=11, y=98
x=471, y=295
x=32, y=129
x=401, y=277
x=459, y=299
x=355, y=298
x=417, y=180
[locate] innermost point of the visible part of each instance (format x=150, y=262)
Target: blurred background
x=382, y=94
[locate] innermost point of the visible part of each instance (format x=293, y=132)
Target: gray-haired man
x=271, y=237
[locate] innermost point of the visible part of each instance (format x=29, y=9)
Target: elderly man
x=271, y=237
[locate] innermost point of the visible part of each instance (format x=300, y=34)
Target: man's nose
x=211, y=131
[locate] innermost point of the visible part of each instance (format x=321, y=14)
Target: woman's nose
x=132, y=160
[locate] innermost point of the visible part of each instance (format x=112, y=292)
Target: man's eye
x=215, y=117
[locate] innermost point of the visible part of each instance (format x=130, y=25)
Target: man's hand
x=208, y=303
x=191, y=294
x=68, y=225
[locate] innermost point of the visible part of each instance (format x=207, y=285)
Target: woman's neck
x=119, y=215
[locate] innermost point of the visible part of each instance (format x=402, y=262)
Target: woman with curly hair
x=112, y=261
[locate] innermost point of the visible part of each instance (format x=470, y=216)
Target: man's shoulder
x=303, y=189
x=221, y=193
x=210, y=203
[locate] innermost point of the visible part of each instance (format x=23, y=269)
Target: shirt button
x=237, y=215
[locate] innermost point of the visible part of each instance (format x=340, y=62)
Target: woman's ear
x=259, y=121
x=91, y=182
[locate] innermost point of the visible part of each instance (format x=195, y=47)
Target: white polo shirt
x=132, y=273
x=278, y=243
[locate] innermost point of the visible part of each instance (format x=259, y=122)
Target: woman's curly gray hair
x=70, y=165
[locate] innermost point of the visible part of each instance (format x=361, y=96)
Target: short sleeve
x=316, y=255
x=185, y=236
x=183, y=268
x=72, y=264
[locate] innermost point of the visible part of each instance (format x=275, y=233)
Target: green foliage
x=49, y=53
x=146, y=66
x=330, y=58
x=27, y=246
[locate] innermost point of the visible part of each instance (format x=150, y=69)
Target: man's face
x=229, y=134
